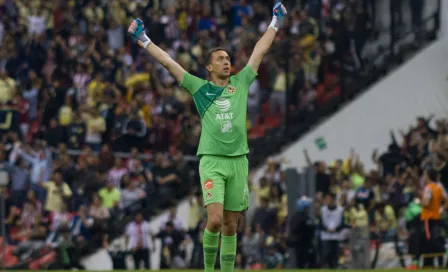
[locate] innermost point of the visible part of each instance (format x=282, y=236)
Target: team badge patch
x=209, y=195
x=231, y=90
x=208, y=185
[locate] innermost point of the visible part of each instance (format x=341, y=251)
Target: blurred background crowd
x=93, y=131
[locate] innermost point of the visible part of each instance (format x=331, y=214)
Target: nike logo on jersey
x=210, y=94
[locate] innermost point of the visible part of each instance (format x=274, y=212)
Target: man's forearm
x=138, y=32
x=161, y=56
x=263, y=45
x=261, y=48
x=166, y=61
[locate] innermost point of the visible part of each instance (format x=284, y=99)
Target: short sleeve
x=192, y=83
x=246, y=76
x=67, y=190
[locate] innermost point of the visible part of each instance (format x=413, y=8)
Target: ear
x=209, y=68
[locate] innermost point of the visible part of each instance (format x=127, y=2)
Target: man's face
x=219, y=65
x=57, y=178
x=330, y=200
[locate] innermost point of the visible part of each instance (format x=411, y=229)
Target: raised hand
x=137, y=30
x=279, y=12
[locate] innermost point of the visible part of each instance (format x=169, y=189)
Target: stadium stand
x=94, y=133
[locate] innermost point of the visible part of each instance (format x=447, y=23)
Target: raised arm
x=137, y=30
x=263, y=45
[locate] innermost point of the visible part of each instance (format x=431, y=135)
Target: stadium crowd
x=354, y=206
x=74, y=90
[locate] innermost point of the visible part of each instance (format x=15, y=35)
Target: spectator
x=301, y=234
x=33, y=200
x=7, y=87
x=251, y=246
x=20, y=179
x=385, y=221
x=97, y=210
x=40, y=168
x=66, y=166
x=265, y=217
x=273, y=259
x=346, y=194
x=117, y=172
x=332, y=223
x=30, y=217
x=359, y=237
x=397, y=195
x=53, y=135
x=323, y=181
x=60, y=220
x=134, y=129
x=76, y=132
x=58, y=192
x=130, y=194
x=81, y=226
x=110, y=196
x=364, y=195
x=167, y=179
x=172, y=218
x=171, y=240
x=139, y=241
x=95, y=127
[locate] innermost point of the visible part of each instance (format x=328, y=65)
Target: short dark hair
x=432, y=174
x=332, y=195
x=208, y=59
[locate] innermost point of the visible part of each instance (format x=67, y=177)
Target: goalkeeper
x=222, y=106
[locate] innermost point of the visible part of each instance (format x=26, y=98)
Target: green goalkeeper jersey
x=223, y=113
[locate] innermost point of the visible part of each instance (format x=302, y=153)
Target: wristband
x=275, y=23
x=144, y=40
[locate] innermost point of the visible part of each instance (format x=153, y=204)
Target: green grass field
x=285, y=270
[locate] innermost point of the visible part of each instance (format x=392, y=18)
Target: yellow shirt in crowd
x=7, y=87
x=65, y=116
x=262, y=193
x=95, y=90
x=359, y=217
x=386, y=221
x=55, y=196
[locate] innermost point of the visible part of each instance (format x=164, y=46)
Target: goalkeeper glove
x=279, y=12
x=137, y=30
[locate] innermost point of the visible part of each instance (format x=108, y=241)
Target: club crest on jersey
x=208, y=185
x=209, y=195
x=231, y=90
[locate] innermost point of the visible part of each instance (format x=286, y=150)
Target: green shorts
x=225, y=180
